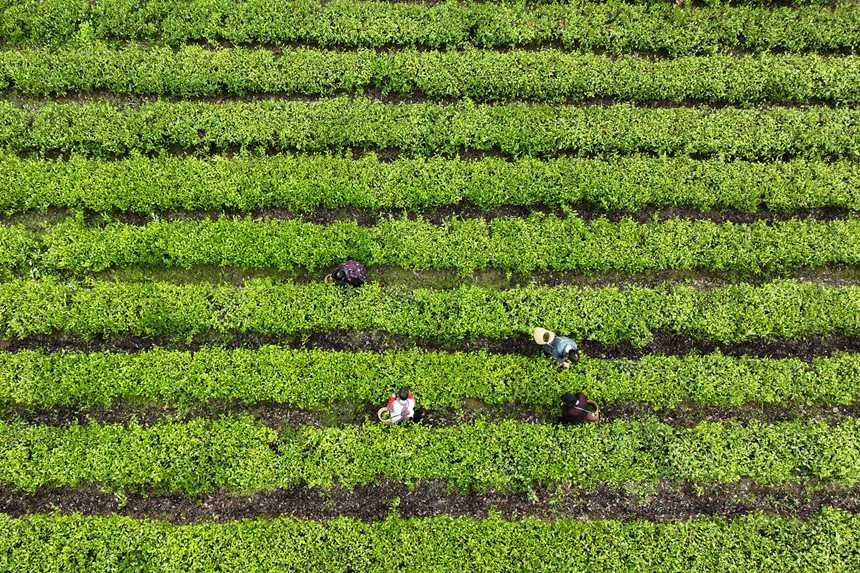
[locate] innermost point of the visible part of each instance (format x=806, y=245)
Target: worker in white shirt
x=401, y=406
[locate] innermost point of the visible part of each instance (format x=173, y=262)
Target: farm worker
x=577, y=408
x=350, y=273
x=561, y=348
x=401, y=406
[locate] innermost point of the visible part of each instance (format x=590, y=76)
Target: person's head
x=403, y=394
x=340, y=275
x=568, y=399
x=573, y=354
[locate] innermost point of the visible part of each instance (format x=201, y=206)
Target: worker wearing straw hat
x=563, y=349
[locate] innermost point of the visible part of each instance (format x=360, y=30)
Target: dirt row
x=281, y=416
x=541, y=45
x=465, y=210
x=377, y=341
x=660, y=503
x=418, y=96
x=384, y=154
x=490, y=278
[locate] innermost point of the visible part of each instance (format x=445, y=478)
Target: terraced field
x=674, y=185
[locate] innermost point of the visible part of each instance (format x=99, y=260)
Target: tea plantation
x=673, y=185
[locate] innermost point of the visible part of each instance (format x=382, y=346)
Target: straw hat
x=543, y=336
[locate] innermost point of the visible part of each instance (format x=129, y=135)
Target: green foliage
x=18, y=248
x=304, y=183
x=240, y=455
x=465, y=245
x=192, y=458
x=611, y=26
x=132, y=157
x=548, y=75
x=314, y=379
x=785, y=309
x=517, y=130
x=48, y=21
x=827, y=541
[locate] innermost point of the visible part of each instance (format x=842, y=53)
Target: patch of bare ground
x=659, y=502
x=384, y=94
x=389, y=154
x=377, y=341
x=283, y=416
x=441, y=279
x=465, y=210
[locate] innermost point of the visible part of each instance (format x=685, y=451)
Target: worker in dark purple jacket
x=575, y=410
x=350, y=273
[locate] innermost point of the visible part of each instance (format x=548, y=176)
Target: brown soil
x=660, y=53
x=837, y=276
x=282, y=416
x=465, y=210
x=663, y=502
x=391, y=154
x=413, y=97
x=376, y=341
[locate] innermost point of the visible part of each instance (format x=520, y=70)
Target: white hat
x=543, y=336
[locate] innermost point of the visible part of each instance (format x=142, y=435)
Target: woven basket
x=384, y=415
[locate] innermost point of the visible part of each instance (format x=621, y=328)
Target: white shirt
x=401, y=409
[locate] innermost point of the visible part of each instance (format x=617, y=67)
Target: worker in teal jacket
x=562, y=349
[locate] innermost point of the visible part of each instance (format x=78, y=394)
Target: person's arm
x=562, y=360
x=573, y=352
x=581, y=410
x=391, y=401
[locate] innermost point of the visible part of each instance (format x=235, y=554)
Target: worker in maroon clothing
x=576, y=409
x=350, y=273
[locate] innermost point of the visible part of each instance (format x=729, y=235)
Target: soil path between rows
x=282, y=417
x=384, y=91
x=389, y=154
x=660, y=503
x=441, y=214
x=377, y=341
